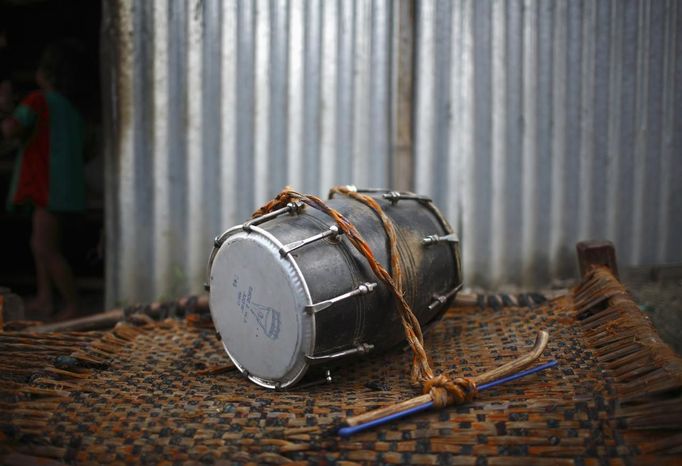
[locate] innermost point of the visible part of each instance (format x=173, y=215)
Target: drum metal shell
x=330, y=267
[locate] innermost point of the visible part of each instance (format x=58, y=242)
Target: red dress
x=49, y=171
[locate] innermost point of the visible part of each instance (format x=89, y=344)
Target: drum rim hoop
x=266, y=383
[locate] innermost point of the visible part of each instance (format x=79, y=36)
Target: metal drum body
x=287, y=293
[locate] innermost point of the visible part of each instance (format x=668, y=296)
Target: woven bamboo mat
x=147, y=391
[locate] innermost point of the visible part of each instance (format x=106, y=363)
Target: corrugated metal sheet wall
x=215, y=106
x=541, y=123
x=534, y=124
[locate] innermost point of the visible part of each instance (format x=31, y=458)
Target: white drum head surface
x=257, y=303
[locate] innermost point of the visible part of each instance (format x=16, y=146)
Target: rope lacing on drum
x=444, y=390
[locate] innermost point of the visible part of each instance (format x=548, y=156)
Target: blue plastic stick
x=348, y=431
x=518, y=375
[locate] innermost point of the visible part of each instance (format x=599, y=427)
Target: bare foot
x=67, y=313
x=38, y=308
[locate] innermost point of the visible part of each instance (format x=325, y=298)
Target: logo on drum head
x=267, y=317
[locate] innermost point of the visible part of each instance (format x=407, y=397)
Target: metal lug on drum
x=220, y=239
x=439, y=300
x=363, y=348
x=434, y=239
x=327, y=379
x=362, y=289
x=291, y=208
x=395, y=196
x=333, y=231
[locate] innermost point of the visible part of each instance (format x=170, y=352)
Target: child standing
x=49, y=173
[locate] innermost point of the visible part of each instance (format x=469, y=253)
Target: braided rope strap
x=443, y=390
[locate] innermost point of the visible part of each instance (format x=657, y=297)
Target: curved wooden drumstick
x=504, y=370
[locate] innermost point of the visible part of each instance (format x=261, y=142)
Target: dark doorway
x=26, y=28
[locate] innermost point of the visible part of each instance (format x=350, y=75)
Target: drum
x=289, y=293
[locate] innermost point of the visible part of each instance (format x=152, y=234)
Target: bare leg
x=46, y=249
x=40, y=307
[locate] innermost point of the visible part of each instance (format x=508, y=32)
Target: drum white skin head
x=257, y=303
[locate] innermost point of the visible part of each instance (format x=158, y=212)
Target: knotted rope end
x=445, y=391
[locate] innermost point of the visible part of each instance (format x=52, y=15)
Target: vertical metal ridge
x=453, y=205
x=653, y=146
x=127, y=185
x=378, y=167
x=401, y=161
x=344, y=153
x=279, y=37
x=571, y=163
x=196, y=235
x=558, y=135
x=109, y=71
x=513, y=89
x=423, y=140
x=161, y=201
x=675, y=219
x=480, y=166
x=641, y=111
x=598, y=209
x=228, y=115
x=211, y=125
x=586, y=151
x=361, y=79
x=498, y=147
x=529, y=158
x=614, y=120
x=626, y=160
x=261, y=96
x=467, y=143
x=442, y=107
x=544, y=126
x=667, y=134
x=245, y=131
x=311, y=99
x=177, y=150
x=328, y=95
x=144, y=99
x=295, y=93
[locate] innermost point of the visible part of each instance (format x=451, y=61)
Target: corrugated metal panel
x=212, y=107
x=535, y=124
x=541, y=123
